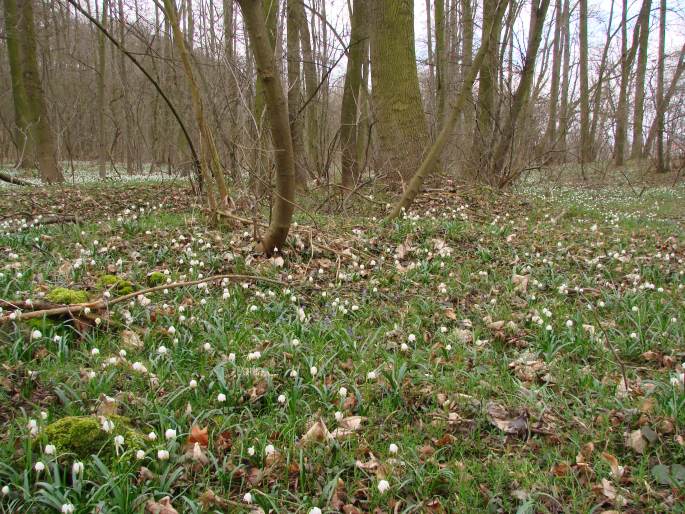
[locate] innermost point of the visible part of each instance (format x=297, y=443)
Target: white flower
x=221, y=398
x=77, y=467
x=371, y=375
x=43, y=415
x=342, y=392
x=315, y=510
x=404, y=347
x=569, y=323
x=138, y=366
x=254, y=355
x=68, y=508
x=171, y=330
x=49, y=449
x=206, y=347
x=162, y=454
x=192, y=384
x=36, y=334
x=39, y=466
x=162, y=350
x=57, y=339
x=269, y=449
x=247, y=498
x=295, y=342
x=281, y=398
x=118, y=442
x=5, y=490
x=140, y=454
x=231, y=357
x=339, y=416
x=411, y=338
x=313, y=370
x=250, y=451
x=33, y=426
x=383, y=486
x=107, y=425
x=393, y=448
x=170, y=434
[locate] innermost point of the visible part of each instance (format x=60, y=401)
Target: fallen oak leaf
x=198, y=435
x=509, y=424
x=163, y=506
x=317, y=433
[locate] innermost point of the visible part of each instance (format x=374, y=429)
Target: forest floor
x=512, y=353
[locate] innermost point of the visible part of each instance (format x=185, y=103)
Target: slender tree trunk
x=564, y=108
x=44, y=137
x=440, y=63
x=24, y=131
x=402, y=130
x=311, y=85
x=131, y=165
x=672, y=88
x=599, y=85
x=295, y=95
x=466, y=62
x=100, y=81
x=585, y=143
x=498, y=167
x=639, y=108
x=281, y=216
x=660, y=103
x=488, y=81
x=351, y=95
x=551, y=133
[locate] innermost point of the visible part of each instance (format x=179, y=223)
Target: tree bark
x=639, y=107
x=551, y=133
x=402, y=129
x=277, y=107
x=564, y=107
x=100, y=88
x=585, y=143
x=295, y=94
x=660, y=100
x=24, y=131
x=45, y=139
x=351, y=95
x=431, y=160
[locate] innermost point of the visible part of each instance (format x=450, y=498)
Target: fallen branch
x=6, y=177
x=103, y=303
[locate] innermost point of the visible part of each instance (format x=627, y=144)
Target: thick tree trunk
x=24, y=136
x=487, y=105
x=440, y=63
x=45, y=139
x=431, y=161
x=402, y=130
x=350, y=167
x=277, y=107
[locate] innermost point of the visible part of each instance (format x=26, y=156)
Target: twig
x=105, y=303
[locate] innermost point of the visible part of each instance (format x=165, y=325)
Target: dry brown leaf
x=209, y=499
x=108, y=406
x=616, y=470
x=561, y=469
x=520, y=282
x=198, y=435
x=317, y=433
x=163, y=506
x=507, y=423
x=131, y=340
x=636, y=442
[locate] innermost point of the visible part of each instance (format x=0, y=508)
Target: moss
x=156, y=278
x=83, y=436
x=66, y=296
x=116, y=285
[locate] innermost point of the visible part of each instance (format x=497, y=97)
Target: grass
x=420, y=334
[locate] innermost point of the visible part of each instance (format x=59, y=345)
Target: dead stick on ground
x=103, y=303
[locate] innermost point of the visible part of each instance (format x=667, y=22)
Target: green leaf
x=678, y=473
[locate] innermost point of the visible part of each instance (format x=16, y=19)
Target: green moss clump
x=156, y=278
x=116, y=285
x=66, y=296
x=83, y=436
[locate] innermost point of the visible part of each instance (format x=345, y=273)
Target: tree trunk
x=402, y=130
x=433, y=156
x=498, y=168
x=565, y=82
x=551, y=133
x=488, y=82
x=295, y=94
x=660, y=103
x=639, y=108
x=25, y=138
x=131, y=165
x=440, y=63
x=100, y=88
x=585, y=143
x=351, y=96
x=45, y=139
x=277, y=107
